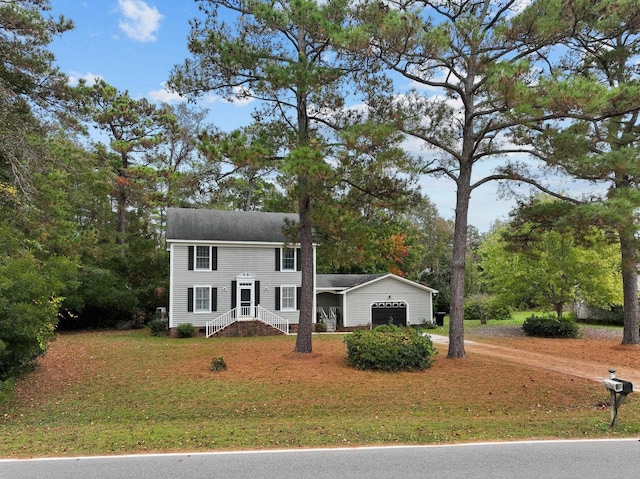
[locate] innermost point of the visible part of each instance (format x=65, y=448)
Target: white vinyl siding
x=357, y=303
x=232, y=261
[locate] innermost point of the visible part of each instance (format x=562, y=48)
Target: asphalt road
x=523, y=460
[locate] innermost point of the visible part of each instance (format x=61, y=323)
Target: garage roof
x=344, y=282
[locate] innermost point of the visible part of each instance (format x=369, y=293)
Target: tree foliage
x=596, y=89
x=531, y=267
x=284, y=54
x=473, y=54
x=31, y=284
x=134, y=128
x=33, y=276
x=30, y=85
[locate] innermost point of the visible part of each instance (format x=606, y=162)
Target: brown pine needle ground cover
x=129, y=392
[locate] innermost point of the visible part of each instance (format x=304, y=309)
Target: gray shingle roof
x=217, y=225
x=344, y=281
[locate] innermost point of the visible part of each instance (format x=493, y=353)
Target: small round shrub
x=389, y=348
x=550, y=326
x=218, y=364
x=158, y=327
x=185, y=330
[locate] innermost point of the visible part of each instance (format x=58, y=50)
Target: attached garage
x=369, y=300
x=389, y=312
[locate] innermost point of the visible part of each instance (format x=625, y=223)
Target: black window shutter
x=277, y=259
x=277, y=298
x=214, y=299
x=191, y=256
x=298, y=296
x=234, y=285
x=214, y=257
x=298, y=262
x=190, y=300
x=257, y=292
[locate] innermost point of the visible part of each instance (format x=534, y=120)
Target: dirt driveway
x=590, y=357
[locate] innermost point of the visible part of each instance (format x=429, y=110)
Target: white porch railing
x=246, y=313
x=272, y=319
x=221, y=322
x=331, y=319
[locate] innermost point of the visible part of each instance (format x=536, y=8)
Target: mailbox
x=613, y=385
x=618, y=385
x=619, y=390
x=627, y=387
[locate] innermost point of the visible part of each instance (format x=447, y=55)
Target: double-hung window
x=288, y=259
x=203, y=258
x=288, y=298
x=202, y=299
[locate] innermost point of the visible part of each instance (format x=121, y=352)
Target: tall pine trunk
x=456, y=313
x=305, y=322
x=630, y=335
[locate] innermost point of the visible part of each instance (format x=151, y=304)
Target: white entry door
x=246, y=298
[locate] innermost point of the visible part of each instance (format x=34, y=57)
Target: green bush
x=30, y=298
x=158, y=327
x=473, y=308
x=426, y=325
x=102, y=300
x=550, y=326
x=218, y=364
x=485, y=307
x=185, y=330
x=389, y=348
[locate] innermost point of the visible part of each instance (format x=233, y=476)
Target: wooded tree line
x=83, y=215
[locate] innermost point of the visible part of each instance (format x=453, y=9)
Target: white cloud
x=165, y=96
x=89, y=78
x=141, y=22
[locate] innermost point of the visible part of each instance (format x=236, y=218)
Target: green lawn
x=518, y=317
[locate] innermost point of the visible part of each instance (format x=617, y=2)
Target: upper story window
x=288, y=259
x=203, y=258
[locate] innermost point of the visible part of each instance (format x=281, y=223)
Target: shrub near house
x=390, y=348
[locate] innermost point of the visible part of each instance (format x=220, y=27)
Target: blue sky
x=134, y=44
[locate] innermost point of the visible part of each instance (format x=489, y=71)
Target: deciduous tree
x=525, y=265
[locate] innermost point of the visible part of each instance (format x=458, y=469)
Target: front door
x=246, y=298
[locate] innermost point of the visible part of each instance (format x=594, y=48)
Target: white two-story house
x=231, y=266
x=238, y=269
